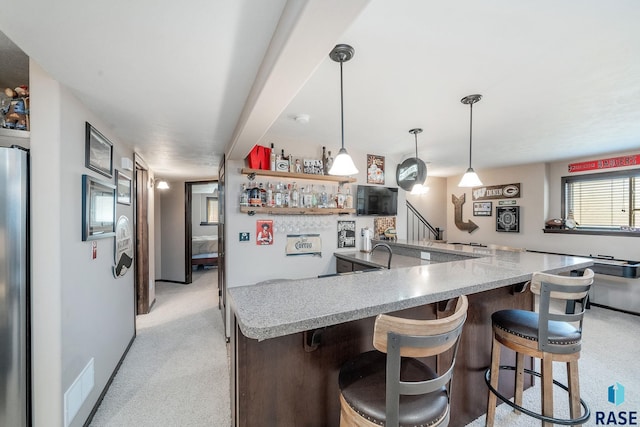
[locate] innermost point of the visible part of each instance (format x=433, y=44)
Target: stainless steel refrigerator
x=14, y=288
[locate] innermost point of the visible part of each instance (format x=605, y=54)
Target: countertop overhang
x=279, y=308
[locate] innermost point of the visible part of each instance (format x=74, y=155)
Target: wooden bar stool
x=395, y=389
x=547, y=336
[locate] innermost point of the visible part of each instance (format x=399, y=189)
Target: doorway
x=201, y=226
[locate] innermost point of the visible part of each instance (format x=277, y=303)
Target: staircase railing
x=418, y=228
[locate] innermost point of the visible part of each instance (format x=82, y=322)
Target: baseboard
x=620, y=310
x=106, y=387
x=172, y=281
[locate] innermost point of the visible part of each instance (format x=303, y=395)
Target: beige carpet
x=176, y=372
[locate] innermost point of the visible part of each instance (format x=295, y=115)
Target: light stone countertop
x=378, y=259
x=278, y=308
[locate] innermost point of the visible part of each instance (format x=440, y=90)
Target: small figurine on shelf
x=298, y=166
x=16, y=108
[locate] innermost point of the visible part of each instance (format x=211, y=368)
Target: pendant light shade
x=470, y=178
x=343, y=163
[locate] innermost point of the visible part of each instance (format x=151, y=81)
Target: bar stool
x=389, y=386
x=547, y=336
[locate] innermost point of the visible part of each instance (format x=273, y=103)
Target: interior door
x=143, y=303
x=222, y=286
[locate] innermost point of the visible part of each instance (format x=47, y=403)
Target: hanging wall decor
x=375, y=169
x=264, y=232
x=346, y=234
x=460, y=224
x=508, y=219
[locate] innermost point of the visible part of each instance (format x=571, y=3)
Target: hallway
x=176, y=371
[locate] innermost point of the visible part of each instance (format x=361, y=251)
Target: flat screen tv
x=375, y=200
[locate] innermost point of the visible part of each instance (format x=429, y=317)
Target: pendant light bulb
x=343, y=163
x=470, y=178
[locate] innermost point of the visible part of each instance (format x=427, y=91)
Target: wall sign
x=508, y=191
x=264, y=232
x=508, y=219
x=124, y=247
x=482, y=208
x=346, y=234
x=613, y=162
x=304, y=244
x=460, y=224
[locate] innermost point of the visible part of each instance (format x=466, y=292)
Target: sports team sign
x=508, y=191
x=613, y=162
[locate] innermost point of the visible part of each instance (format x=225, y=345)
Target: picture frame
x=375, y=169
x=98, y=152
x=123, y=187
x=508, y=219
x=264, y=232
x=98, y=208
x=482, y=208
x=346, y=234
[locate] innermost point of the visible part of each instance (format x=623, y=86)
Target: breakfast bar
x=290, y=337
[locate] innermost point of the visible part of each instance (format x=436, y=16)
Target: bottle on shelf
x=329, y=162
x=286, y=201
x=273, y=158
x=325, y=170
x=348, y=199
x=263, y=195
x=340, y=198
x=314, y=198
x=254, y=195
x=278, y=195
x=306, y=197
x=270, y=195
x=244, y=195
x=323, y=199
x=295, y=196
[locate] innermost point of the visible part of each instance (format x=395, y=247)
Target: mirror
x=410, y=172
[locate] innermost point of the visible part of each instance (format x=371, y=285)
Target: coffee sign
x=508, y=191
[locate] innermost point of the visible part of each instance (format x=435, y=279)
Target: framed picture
x=508, y=219
x=346, y=234
x=482, y=208
x=98, y=152
x=375, y=169
x=264, y=232
x=123, y=187
x=98, y=208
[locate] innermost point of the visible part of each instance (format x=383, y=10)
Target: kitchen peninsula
x=290, y=337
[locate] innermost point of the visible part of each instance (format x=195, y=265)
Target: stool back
x=549, y=287
x=400, y=337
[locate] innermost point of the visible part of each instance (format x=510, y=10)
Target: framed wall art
x=98, y=208
x=375, y=169
x=98, y=152
x=482, y=208
x=508, y=219
x=346, y=234
x=123, y=187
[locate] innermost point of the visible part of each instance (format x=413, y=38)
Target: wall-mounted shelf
x=13, y=133
x=295, y=211
x=291, y=175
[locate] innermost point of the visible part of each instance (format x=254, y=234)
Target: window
x=212, y=209
x=607, y=201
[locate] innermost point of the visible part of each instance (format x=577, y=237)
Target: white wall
x=540, y=200
x=248, y=263
x=199, y=214
x=172, y=220
x=430, y=204
x=80, y=311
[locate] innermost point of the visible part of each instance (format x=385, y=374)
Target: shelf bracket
x=251, y=176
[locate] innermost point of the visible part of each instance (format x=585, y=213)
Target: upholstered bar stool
x=547, y=336
x=389, y=386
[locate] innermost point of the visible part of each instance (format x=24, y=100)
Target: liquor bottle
x=254, y=195
x=340, y=199
x=278, y=195
x=324, y=199
x=244, y=196
x=295, y=196
x=348, y=199
x=263, y=195
x=287, y=196
x=270, y=195
x=282, y=156
x=325, y=170
x=314, y=198
x=273, y=158
x=306, y=197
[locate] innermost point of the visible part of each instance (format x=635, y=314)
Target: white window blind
x=606, y=200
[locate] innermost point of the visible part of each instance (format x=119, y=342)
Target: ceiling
x=183, y=82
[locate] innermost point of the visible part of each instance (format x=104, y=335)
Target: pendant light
x=343, y=163
x=418, y=188
x=470, y=178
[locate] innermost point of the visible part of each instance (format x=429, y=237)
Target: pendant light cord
x=470, y=130
x=341, y=103
x=416, y=136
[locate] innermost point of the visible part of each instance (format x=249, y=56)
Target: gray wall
x=80, y=311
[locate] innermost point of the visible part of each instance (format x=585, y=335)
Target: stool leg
x=519, y=381
x=574, y=388
x=493, y=380
x=546, y=387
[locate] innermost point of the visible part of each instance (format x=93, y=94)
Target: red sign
x=613, y=162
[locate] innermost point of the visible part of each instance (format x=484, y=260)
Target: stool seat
x=525, y=325
x=363, y=385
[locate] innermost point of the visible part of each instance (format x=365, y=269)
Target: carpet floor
x=177, y=374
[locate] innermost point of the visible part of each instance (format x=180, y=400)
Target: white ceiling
x=182, y=81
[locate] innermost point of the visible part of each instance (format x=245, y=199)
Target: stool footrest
x=563, y=421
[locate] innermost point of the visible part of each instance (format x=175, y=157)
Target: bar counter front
x=290, y=337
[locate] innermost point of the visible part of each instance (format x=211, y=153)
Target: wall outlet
x=425, y=255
